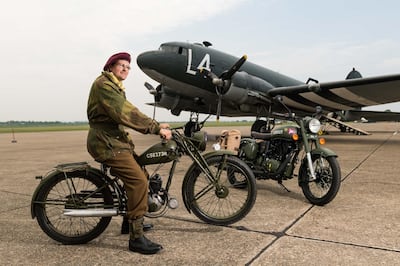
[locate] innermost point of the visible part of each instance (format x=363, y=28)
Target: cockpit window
x=173, y=49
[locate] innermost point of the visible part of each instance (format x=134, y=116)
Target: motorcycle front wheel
x=218, y=201
x=72, y=191
x=324, y=188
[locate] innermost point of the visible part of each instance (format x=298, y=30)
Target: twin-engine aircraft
x=200, y=79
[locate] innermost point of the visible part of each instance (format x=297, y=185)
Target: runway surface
x=361, y=226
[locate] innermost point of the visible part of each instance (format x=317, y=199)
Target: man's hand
x=165, y=133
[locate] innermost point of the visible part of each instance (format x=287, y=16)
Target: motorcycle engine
x=277, y=152
x=271, y=165
x=155, y=201
x=155, y=183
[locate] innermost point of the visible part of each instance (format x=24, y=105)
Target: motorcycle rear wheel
x=328, y=178
x=78, y=191
x=220, y=203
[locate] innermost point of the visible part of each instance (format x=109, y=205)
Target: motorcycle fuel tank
x=159, y=153
x=249, y=147
x=284, y=131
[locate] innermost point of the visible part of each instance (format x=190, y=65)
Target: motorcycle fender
x=193, y=165
x=43, y=181
x=220, y=152
x=324, y=152
x=49, y=177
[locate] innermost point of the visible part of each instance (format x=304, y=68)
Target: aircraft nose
x=146, y=60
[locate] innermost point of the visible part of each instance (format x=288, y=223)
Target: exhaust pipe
x=91, y=212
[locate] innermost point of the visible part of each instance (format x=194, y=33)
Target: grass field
x=72, y=127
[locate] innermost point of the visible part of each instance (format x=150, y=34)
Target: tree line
x=40, y=123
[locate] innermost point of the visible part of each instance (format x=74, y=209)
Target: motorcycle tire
x=56, y=195
x=220, y=203
x=328, y=179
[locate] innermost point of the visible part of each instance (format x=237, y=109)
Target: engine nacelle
x=240, y=86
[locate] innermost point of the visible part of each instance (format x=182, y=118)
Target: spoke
x=221, y=166
x=203, y=192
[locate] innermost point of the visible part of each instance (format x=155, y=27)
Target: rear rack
x=69, y=167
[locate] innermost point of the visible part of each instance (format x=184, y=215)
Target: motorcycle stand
x=280, y=183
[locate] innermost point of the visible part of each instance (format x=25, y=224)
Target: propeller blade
x=234, y=68
x=219, y=106
x=148, y=86
x=151, y=89
x=223, y=81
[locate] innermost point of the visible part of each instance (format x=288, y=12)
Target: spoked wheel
x=79, y=191
x=324, y=188
x=219, y=201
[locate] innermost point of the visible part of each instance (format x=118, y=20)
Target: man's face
x=121, y=69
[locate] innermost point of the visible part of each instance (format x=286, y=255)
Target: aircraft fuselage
x=180, y=69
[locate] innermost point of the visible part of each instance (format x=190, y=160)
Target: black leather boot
x=143, y=245
x=125, y=226
x=138, y=242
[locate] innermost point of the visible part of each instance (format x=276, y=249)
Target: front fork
x=307, y=150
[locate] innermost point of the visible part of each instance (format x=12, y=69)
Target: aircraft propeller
x=222, y=82
x=154, y=91
x=157, y=95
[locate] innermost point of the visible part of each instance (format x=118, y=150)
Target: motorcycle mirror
x=318, y=110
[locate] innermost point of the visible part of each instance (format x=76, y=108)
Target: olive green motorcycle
x=274, y=150
x=74, y=203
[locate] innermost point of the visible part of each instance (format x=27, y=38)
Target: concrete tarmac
x=361, y=226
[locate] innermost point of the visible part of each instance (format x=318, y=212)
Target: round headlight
x=314, y=125
x=200, y=139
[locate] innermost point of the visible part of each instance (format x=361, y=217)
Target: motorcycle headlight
x=199, y=138
x=314, y=125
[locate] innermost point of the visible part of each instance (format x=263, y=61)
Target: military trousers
x=124, y=166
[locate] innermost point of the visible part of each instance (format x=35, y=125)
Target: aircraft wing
x=345, y=95
x=371, y=116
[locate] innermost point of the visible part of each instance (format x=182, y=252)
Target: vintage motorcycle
x=274, y=150
x=74, y=203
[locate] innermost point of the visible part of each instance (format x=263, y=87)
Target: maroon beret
x=114, y=58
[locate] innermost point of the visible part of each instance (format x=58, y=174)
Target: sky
x=51, y=51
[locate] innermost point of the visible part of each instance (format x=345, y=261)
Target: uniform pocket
x=99, y=145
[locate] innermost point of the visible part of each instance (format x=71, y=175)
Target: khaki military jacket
x=109, y=112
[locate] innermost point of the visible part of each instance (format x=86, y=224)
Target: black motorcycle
x=274, y=150
x=74, y=203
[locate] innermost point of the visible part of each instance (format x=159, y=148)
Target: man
x=109, y=113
